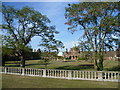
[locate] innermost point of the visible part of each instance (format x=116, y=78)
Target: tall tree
x=51, y=44
x=9, y=50
x=85, y=49
x=51, y=47
x=23, y=24
x=100, y=23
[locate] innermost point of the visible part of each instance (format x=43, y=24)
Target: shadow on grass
x=78, y=67
x=69, y=61
x=18, y=65
x=13, y=65
x=115, y=68
x=37, y=64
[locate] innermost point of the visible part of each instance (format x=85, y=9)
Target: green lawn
x=69, y=65
x=17, y=81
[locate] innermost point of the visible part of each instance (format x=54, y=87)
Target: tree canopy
x=100, y=23
x=21, y=25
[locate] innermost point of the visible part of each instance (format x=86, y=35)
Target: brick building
x=75, y=52
x=72, y=54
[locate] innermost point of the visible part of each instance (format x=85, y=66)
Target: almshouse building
x=72, y=54
x=75, y=52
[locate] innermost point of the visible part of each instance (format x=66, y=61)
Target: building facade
x=72, y=54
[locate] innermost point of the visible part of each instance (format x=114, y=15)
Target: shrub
x=81, y=58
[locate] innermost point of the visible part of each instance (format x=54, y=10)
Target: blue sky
x=55, y=12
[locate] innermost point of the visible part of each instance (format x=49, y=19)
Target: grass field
x=16, y=81
x=69, y=65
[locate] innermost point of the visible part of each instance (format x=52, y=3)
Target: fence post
x=23, y=71
x=0, y=69
x=100, y=76
x=5, y=70
x=70, y=74
x=44, y=72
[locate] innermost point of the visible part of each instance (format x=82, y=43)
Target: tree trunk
x=95, y=64
x=4, y=58
x=100, y=63
x=95, y=60
x=22, y=64
x=3, y=63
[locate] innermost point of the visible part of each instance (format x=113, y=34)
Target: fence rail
x=66, y=74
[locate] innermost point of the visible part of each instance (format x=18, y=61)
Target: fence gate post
x=23, y=71
x=44, y=72
x=70, y=74
x=100, y=76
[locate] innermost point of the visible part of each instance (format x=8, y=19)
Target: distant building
x=75, y=52
x=72, y=54
x=110, y=55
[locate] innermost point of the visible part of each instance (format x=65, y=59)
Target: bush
x=60, y=57
x=81, y=58
x=115, y=68
x=67, y=58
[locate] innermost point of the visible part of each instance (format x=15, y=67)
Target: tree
x=51, y=47
x=85, y=49
x=6, y=52
x=45, y=56
x=100, y=24
x=51, y=44
x=9, y=50
x=23, y=24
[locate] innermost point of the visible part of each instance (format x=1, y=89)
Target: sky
x=55, y=12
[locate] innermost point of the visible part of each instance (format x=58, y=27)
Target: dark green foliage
x=85, y=55
x=60, y=57
x=34, y=55
x=115, y=68
x=9, y=54
x=81, y=58
x=67, y=58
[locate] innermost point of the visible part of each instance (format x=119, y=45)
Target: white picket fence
x=65, y=74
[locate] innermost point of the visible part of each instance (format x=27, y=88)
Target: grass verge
x=17, y=81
